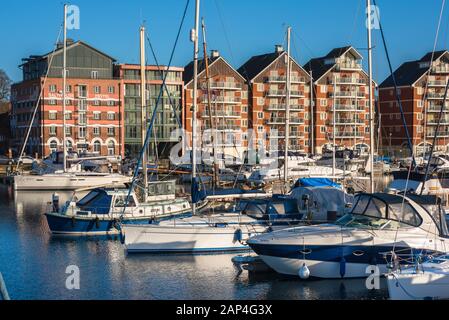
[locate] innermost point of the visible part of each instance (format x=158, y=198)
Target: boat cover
x=317, y=182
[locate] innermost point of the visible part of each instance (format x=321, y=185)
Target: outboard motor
x=55, y=202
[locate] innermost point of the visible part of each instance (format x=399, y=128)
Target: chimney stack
x=214, y=54
x=278, y=48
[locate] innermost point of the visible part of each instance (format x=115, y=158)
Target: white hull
x=187, y=239
x=418, y=286
x=319, y=269
x=67, y=181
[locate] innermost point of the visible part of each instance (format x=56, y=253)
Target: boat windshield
x=375, y=213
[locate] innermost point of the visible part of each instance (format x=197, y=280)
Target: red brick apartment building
x=341, y=86
x=229, y=104
x=94, y=116
x=421, y=96
x=266, y=75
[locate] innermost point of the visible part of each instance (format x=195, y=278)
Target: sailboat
x=103, y=210
x=67, y=178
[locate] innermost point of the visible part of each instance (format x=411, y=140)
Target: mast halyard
x=209, y=103
x=64, y=90
x=287, y=108
x=143, y=100
x=371, y=107
x=194, y=38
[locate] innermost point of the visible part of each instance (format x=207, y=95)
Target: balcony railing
x=293, y=79
x=281, y=120
x=435, y=95
x=222, y=128
x=349, y=66
x=221, y=99
x=437, y=83
x=440, y=69
x=440, y=134
x=347, y=94
x=435, y=108
x=347, y=107
x=345, y=135
x=348, y=122
x=347, y=80
x=226, y=85
x=282, y=93
x=433, y=122
x=222, y=114
x=282, y=107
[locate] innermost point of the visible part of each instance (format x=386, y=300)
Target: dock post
x=3, y=290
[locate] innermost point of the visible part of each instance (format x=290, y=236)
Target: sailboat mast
x=64, y=88
x=334, y=132
x=287, y=107
x=371, y=107
x=194, y=37
x=143, y=101
x=209, y=103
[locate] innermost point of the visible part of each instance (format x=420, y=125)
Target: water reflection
x=34, y=263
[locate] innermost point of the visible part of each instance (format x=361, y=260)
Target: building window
x=260, y=87
x=68, y=115
x=419, y=116
x=94, y=74
x=97, y=115
x=323, y=102
x=52, y=88
x=419, y=128
x=260, y=115
x=111, y=132
x=53, y=146
x=323, y=116
x=69, y=145
x=52, y=102
x=111, y=89
x=419, y=103
x=323, y=89
x=97, y=89
x=53, y=130
x=96, y=131
x=323, y=129
x=111, y=116
x=68, y=88
x=96, y=102
x=68, y=131
x=260, y=101
x=82, y=132
x=97, y=147
x=111, y=148
x=110, y=103
x=52, y=115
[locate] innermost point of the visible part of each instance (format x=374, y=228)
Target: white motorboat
x=69, y=181
x=423, y=281
x=367, y=236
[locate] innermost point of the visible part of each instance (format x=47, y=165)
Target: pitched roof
x=410, y=72
x=251, y=68
x=318, y=65
x=69, y=45
x=188, y=69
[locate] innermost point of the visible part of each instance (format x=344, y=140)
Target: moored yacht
x=378, y=225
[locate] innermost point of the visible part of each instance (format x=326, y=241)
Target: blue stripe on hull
x=331, y=253
x=189, y=251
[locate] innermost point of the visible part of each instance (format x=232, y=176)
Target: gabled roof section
x=319, y=67
x=256, y=64
x=410, y=72
x=69, y=46
x=188, y=70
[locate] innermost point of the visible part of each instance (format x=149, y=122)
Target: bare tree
x=5, y=86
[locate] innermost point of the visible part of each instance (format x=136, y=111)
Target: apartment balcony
x=434, y=122
x=292, y=135
x=440, y=69
x=222, y=127
x=282, y=121
x=348, y=108
x=283, y=79
x=348, y=135
x=349, y=81
x=440, y=134
x=346, y=122
x=221, y=85
x=282, y=93
x=436, y=108
x=347, y=94
x=221, y=114
x=348, y=66
x=282, y=107
x=435, y=95
x=221, y=99
x=437, y=83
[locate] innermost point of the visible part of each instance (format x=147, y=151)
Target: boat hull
x=423, y=285
x=66, y=225
x=66, y=181
x=172, y=239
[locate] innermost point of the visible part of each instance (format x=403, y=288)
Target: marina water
x=34, y=265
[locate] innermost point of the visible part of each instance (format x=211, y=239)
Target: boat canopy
x=384, y=206
x=97, y=201
x=316, y=182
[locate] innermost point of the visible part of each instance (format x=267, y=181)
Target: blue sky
x=238, y=28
